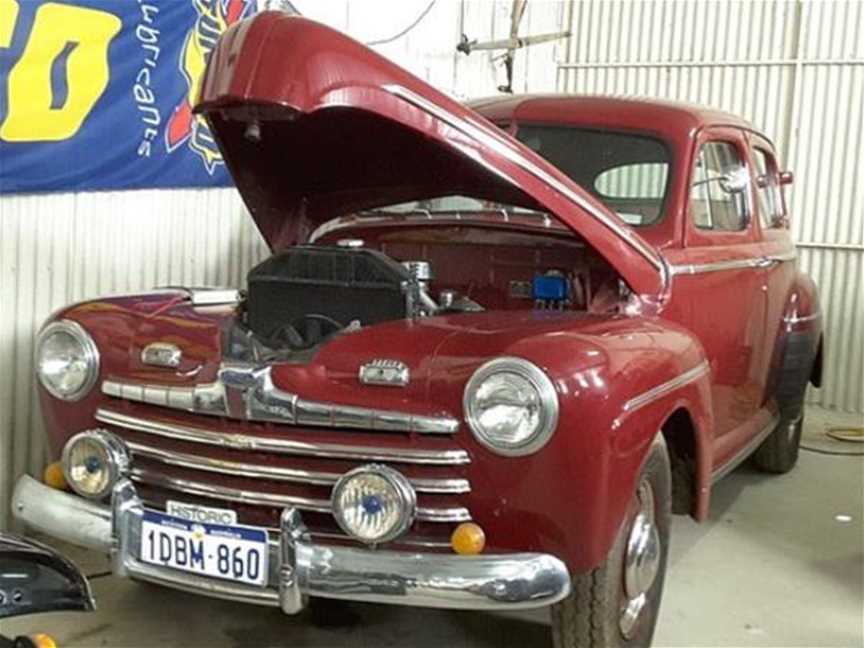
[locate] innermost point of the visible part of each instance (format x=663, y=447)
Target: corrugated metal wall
x=60, y=248
x=796, y=70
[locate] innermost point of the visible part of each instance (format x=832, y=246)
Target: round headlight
x=511, y=406
x=67, y=360
x=93, y=461
x=374, y=503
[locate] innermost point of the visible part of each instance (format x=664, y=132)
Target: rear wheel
x=617, y=603
x=779, y=452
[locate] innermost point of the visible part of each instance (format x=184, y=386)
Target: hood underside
x=314, y=125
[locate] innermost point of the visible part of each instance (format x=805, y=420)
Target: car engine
x=300, y=297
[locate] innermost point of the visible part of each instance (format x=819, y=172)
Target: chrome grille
x=156, y=465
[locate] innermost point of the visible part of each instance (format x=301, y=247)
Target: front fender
x=618, y=380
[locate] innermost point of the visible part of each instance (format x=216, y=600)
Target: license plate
x=230, y=552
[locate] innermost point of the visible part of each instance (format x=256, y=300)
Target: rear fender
x=797, y=357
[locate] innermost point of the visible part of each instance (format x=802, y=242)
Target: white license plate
x=230, y=552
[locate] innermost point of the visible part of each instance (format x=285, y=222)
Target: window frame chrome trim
x=180, y=432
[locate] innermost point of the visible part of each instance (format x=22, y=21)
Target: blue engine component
x=550, y=288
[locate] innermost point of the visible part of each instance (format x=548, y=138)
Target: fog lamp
x=374, y=503
x=468, y=539
x=93, y=461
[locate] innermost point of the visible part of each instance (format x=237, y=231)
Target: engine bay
x=300, y=297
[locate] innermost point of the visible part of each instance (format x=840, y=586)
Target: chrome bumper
x=298, y=568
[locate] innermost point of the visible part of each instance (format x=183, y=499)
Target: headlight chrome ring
x=93, y=462
x=88, y=351
x=546, y=399
x=384, y=488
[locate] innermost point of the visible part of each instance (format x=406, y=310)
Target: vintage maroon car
x=495, y=347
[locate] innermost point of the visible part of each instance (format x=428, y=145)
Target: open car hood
x=314, y=125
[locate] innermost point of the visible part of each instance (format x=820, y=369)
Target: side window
x=718, y=195
x=768, y=189
x=634, y=191
x=645, y=180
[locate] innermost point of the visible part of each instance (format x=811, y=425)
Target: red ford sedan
x=494, y=349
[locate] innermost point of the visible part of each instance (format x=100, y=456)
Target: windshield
x=629, y=173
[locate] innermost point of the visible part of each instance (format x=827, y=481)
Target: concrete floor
x=780, y=562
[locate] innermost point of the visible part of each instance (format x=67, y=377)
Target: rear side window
x=718, y=195
x=768, y=189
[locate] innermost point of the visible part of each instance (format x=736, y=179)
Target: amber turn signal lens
x=43, y=641
x=53, y=477
x=468, y=539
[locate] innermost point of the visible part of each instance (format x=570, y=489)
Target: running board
x=748, y=449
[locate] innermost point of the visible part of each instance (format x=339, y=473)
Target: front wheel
x=617, y=603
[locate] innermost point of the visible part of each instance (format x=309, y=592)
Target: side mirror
x=735, y=182
x=787, y=177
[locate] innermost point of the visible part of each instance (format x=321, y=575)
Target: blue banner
x=97, y=94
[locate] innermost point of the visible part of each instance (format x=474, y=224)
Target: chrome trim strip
x=266, y=402
x=256, y=498
x=716, y=266
x=197, y=462
x=213, y=296
x=282, y=446
x=748, y=449
x=213, y=491
x=665, y=388
x=731, y=264
x=479, y=135
x=795, y=319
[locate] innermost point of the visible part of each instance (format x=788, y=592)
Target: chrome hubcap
x=641, y=560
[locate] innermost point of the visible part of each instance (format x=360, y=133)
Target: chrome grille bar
x=282, y=446
x=214, y=491
x=197, y=462
x=266, y=402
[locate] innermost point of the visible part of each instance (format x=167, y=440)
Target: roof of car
x=570, y=107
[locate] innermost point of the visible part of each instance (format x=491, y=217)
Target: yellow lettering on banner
x=8, y=16
x=30, y=116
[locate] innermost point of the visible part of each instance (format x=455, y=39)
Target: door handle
x=766, y=262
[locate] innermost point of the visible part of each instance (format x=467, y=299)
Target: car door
x=778, y=250
x=718, y=283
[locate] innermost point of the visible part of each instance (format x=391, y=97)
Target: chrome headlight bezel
x=547, y=397
x=88, y=348
x=116, y=461
x=406, y=497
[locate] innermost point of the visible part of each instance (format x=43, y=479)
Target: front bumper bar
x=298, y=568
